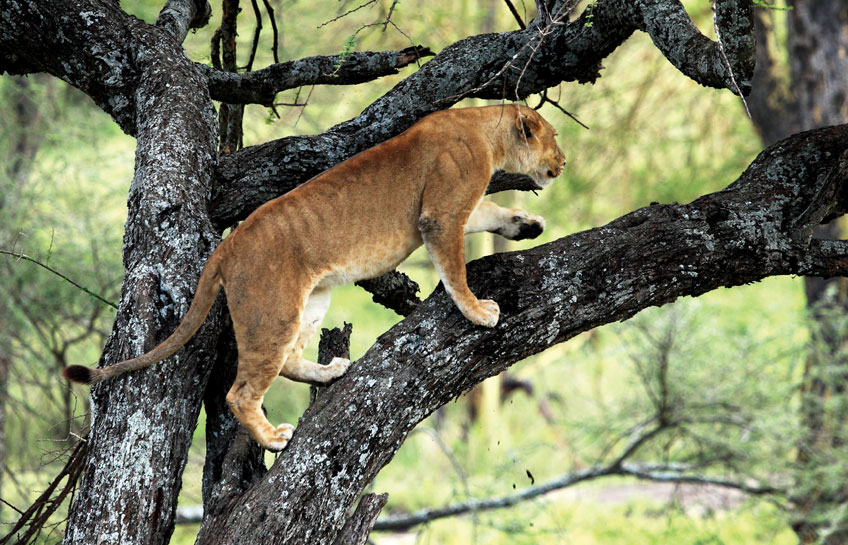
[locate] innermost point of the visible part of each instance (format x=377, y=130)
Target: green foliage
x=349, y=47
x=589, y=14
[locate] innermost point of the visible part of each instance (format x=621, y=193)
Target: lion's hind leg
x=300, y=369
x=257, y=369
x=303, y=370
x=265, y=336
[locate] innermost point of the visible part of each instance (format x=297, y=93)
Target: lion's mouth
x=543, y=180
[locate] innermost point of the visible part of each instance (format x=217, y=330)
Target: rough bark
x=262, y=86
x=757, y=227
x=358, y=526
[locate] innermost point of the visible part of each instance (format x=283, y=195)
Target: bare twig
x=389, y=16
x=534, y=43
x=4, y=502
x=273, y=17
x=256, y=32
x=515, y=14
x=60, y=275
x=727, y=64
x=672, y=474
x=348, y=12
x=546, y=99
x=305, y=104
x=36, y=516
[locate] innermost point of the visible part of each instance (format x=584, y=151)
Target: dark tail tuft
x=78, y=373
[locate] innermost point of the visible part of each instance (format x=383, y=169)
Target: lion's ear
x=527, y=126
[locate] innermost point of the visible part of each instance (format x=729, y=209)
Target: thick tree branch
x=89, y=44
x=547, y=294
x=727, y=63
x=394, y=290
x=262, y=86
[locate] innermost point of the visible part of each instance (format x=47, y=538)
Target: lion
x=355, y=221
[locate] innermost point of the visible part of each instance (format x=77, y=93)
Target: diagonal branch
x=473, y=67
x=727, y=64
x=60, y=275
x=36, y=515
x=672, y=474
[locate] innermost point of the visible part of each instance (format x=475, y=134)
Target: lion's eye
x=516, y=219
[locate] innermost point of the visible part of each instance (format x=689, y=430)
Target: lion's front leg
x=511, y=223
x=443, y=238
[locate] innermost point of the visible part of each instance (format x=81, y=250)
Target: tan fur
x=358, y=220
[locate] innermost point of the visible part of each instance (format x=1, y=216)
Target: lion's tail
x=207, y=289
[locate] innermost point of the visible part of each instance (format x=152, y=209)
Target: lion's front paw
x=521, y=225
x=282, y=436
x=529, y=226
x=484, y=313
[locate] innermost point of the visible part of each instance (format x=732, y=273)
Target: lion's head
x=534, y=150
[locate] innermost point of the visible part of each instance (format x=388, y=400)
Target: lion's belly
x=370, y=260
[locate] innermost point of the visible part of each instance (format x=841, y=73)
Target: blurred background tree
x=800, y=84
